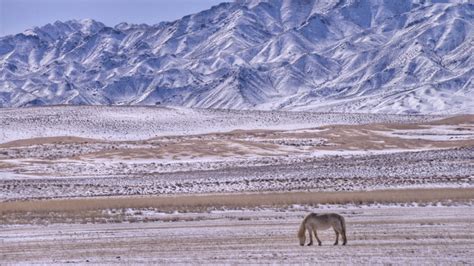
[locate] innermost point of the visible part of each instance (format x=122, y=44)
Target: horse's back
x=326, y=220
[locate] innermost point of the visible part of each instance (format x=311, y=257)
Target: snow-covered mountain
x=403, y=56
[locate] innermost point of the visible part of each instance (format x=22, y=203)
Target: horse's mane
x=302, y=229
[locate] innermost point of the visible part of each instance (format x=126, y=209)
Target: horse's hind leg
x=342, y=231
x=337, y=237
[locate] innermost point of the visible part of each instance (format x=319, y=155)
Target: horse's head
x=302, y=239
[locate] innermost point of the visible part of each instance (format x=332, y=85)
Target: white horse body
x=313, y=222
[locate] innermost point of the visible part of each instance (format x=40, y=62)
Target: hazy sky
x=19, y=15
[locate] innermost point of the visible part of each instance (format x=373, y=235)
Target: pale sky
x=19, y=15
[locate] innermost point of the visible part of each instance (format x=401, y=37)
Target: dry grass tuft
x=114, y=209
x=250, y=200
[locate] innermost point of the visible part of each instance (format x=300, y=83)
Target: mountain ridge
x=347, y=55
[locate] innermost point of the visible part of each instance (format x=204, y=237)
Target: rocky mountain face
x=404, y=56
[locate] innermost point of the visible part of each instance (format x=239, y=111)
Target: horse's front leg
x=310, y=237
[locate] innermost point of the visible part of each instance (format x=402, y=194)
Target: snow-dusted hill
x=404, y=56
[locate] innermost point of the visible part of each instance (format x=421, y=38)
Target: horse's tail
x=343, y=226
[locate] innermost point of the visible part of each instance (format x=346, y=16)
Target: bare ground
x=377, y=235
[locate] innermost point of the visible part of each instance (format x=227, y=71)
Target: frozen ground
x=442, y=168
x=378, y=234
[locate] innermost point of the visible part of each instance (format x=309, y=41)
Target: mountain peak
x=346, y=55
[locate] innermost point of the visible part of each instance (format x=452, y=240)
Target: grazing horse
x=314, y=221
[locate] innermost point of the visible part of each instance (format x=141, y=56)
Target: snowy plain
x=126, y=154
x=50, y=152
x=377, y=234
x=138, y=123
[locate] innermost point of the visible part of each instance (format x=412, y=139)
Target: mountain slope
x=409, y=56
